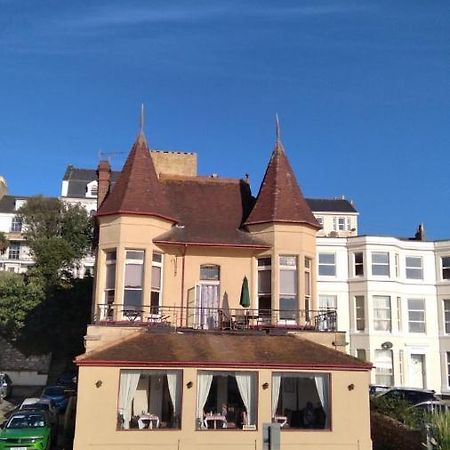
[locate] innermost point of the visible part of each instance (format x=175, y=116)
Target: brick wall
x=389, y=434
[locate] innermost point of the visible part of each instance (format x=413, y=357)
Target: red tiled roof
x=137, y=190
x=280, y=198
x=209, y=211
x=194, y=349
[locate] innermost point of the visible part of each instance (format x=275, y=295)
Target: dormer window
x=92, y=189
x=341, y=223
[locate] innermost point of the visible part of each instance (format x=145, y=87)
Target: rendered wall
x=97, y=418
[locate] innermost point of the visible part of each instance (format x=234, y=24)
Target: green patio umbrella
x=245, y=294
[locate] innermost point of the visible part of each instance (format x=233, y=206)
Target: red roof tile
x=209, y=211
x=137, y=190
x=280, y=198
x=197, y=349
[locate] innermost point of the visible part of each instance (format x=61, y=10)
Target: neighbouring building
x=206, y=322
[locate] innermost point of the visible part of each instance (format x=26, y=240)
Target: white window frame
x=445, y=268
x=292, y=265
x=133, y=261
x=14, y=250
x=399, y=314
x=448, y=368
x=308, y=287
x=360, y=313
x=413, y=272
x=92, y=189
x=358, y=264
x=384, y=367
x=415, y=321
x=327, y=264
x=155, y=263
x=377, y=322
x=377, y=264
x=16, y=224
x=446, y=310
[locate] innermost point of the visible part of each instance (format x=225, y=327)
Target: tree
x=3, y=242
x=59, y=235
x=17, y=299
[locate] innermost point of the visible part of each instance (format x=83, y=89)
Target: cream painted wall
x=96, y=427
x=290, y=240
x=137, y=232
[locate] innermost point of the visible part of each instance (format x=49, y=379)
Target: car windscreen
x=42, y=406
x=54, y=392
x=26, y=421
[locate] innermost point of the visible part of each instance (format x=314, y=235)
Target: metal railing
x=200, y=318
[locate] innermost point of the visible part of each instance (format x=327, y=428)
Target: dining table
x=217, y=420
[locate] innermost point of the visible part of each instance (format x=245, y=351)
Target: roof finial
x=277, y=129
x=141, y=124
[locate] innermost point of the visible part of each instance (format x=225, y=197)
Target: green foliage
x=3, y=243
x=440, y=430
x=58, y=235
x=17, y=299
x=398, y=409
x=58, y=324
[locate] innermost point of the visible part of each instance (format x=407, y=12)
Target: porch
x=199, y=318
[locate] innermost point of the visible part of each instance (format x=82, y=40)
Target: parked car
x=58, y=394
x=433, y=407
x=411, y=395
x=26, y=430
x=5, y=385
x=42, y=404
x=375, y=389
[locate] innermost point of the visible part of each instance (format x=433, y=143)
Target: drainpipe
x=182, y=283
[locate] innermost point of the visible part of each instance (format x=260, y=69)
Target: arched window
x=209, y=272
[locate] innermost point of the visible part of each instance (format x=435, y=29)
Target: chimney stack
x=420, y=233
x=103, y=181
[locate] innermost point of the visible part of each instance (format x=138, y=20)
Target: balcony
x=214, y=318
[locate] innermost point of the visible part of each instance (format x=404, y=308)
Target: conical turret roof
x=280, y=198
x=137, y=190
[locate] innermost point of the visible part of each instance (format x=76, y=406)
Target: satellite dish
x=386, y=345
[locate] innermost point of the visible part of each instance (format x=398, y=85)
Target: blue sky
x=362, y=89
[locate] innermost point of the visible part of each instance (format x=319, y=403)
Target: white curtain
x=173, y=390
x=128, y=386
x=244, y=382
x=276, y=383
x=204, y=385
x=322, y=391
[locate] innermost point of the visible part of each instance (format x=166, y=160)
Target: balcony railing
x=215, y=318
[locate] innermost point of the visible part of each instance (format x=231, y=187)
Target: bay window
x=226, y=400
x=265, y=287
x=445, y=261
x=133, y=280
x=288, y=288
x=155, y=295
x=380, y=263
x=110, y=284
x=414, y=269
x=382, y=313
x=149, y=399
x=360, y=313
x=301, y=400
